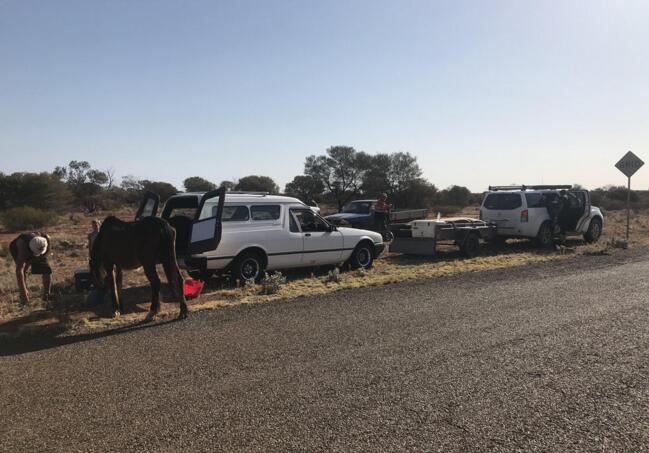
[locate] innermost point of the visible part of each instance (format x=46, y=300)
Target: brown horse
x=130, y=245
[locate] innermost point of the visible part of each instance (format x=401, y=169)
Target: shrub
x=27, y=218
x=334, y=276
x=361, y=272
x=272, y=283
x=618, y=243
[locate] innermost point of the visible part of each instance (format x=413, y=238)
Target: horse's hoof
x=182, y=315
x=151, y=316
x=116, y=314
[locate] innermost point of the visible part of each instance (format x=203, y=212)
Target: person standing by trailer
x=381, y=213
x=30, y=250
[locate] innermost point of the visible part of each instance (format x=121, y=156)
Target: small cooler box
x=424, y=228
x=82, y=279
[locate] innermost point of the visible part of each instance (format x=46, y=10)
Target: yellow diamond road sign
x=629, y=164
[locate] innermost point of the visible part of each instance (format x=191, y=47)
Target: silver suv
x=521, y=212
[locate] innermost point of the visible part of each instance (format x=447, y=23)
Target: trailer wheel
x=471, y=245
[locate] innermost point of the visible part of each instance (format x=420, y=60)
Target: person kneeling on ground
x=31, y=250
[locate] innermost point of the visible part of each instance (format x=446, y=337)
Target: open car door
x=582, y=216
x=148, y=205
x=206, y=227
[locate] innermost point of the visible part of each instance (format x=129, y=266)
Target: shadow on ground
x=53, y=337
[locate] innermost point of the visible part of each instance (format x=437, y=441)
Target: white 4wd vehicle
x=247, y=234
x=521, y=212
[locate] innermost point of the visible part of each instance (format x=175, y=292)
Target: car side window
x=265, y=212
x=309, y=221
x=233, y=213
x=535, y=200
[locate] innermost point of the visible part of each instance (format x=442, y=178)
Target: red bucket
x=192, y=288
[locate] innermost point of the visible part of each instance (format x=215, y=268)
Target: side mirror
x=332, y=228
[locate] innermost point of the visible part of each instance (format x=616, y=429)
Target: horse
x=129, y=245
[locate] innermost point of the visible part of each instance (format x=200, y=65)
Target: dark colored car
x=357, y=214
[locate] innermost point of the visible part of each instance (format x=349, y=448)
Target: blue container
x=97, y=297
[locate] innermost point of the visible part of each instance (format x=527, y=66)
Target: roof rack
x=245, y=192
x=542, y=187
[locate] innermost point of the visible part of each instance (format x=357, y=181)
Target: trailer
x=406, y=215
x=421, y=237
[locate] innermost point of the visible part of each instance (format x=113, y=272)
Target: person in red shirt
x=381, y=212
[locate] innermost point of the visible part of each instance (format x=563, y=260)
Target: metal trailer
x=422, y=236
x=407, y=215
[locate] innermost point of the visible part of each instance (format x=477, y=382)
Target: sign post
x=628, y=165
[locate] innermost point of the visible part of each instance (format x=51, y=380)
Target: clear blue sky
x=481, y=92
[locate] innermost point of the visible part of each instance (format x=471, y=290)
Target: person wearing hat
x=381, y=213
x=31, y=250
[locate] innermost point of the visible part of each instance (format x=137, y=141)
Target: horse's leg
x=112, y=288
x=152, y=275
x=119, y=277
x=175, y=281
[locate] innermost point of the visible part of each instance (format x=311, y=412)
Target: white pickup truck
x=247, y=234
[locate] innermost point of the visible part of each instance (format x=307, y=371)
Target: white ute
x=520, y=212
x=250, y=233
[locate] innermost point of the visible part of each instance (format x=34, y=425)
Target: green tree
x=164, y=189
x=255, y=183
x=455, y=196
x=391, y=173
x=229, y=185
x=85, y=182
x=198, y=184
x=619, y=193
x=37, y=190
x=340, y=170
x=305, y=187
x=376, y=179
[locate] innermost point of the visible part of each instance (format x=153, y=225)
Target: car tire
x=545, y=236
x=594, y=231
x=248, y=266
x=362, y=256
x=470, y=247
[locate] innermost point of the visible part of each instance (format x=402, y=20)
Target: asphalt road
x=543, y=358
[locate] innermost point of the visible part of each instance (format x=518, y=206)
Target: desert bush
x=271, y=284
x=360, y=272
x=617, y=243
x=27, y=218
x=334, y=276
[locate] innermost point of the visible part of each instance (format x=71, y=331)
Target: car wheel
x=471, y=245
x=248, y=266
x=594, y=231
x=362, y=256
x=545, y=238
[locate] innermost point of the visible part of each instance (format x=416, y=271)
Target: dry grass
x=73, y=312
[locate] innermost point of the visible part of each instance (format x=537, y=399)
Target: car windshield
x=358, y=207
